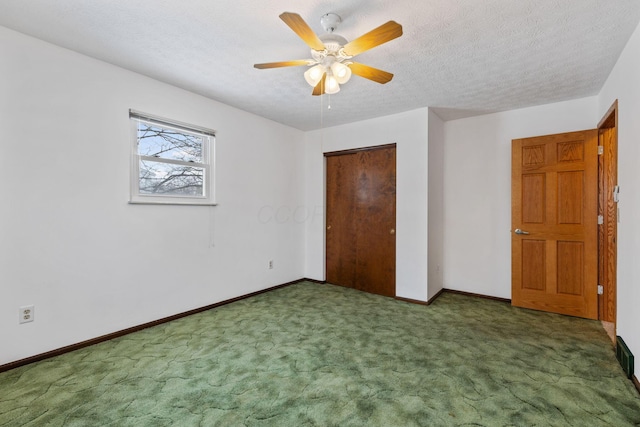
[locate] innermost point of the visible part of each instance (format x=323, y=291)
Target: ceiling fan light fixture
x=314, y=74
x=341, y=72
x=331, y=85
x=331, y=53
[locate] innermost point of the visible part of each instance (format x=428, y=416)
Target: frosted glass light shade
x=331, y=85
x=314, y=74
x=341, y=72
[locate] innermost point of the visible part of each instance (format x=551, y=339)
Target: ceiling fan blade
x=382, y=34
x=294, y=63
x=319, y=89
x=370, y=73
x=297, y=24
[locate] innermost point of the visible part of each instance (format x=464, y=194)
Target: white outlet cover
x=26, y=314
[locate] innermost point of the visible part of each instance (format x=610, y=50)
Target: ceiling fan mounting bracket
x=330, y=21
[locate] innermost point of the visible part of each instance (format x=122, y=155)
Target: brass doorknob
x=392, y=231
x=328, y=227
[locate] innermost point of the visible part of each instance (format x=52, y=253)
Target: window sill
x=186, y=202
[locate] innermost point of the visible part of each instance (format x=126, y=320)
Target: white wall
x=477, y=189
x=409, y=132
x=436, y=204
x=623, y=84
x=71, y=244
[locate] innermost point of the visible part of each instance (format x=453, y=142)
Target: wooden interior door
x=361, y=218
x=554, y=244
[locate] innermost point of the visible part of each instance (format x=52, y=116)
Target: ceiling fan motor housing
x=333, y=42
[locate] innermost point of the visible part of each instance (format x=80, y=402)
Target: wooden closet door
x=341, y=231
x=361, y=218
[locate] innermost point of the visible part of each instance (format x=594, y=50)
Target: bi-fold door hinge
x=600, y=290
x=600, y=219
x=600, y=150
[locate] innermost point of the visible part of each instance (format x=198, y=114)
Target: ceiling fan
x=331, y=54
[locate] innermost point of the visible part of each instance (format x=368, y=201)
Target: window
x=172, y=162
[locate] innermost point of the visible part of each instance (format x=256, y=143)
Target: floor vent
x=624, y=357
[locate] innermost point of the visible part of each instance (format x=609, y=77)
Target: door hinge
x=616, y=194
x=600, y=150
x=600, y=290
x=600, y=219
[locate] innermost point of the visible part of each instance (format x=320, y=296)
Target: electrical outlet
x=270, y=264
x=27, y=314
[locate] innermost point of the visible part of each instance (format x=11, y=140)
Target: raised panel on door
x=533, y=264
x=554, y=203
x=533, y=189
x=570, y=197
x=570, y=269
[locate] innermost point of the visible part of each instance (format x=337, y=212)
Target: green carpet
x=322, y=355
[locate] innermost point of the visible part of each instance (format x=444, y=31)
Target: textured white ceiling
x=461, y=57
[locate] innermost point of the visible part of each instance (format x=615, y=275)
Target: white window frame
x=208, y=162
